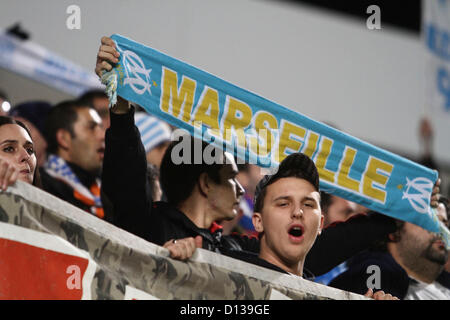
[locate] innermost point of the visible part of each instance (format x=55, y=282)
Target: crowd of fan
x=116, y=164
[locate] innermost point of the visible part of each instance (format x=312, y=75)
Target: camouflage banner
x=50, y=249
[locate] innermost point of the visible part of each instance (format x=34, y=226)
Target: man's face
x=339, y=210
x=291, y=218
x=87, y=147
x=416, y=242
x=224, y=197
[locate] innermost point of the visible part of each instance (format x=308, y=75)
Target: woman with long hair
x=17, y=154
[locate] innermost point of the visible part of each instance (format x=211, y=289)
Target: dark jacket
x=124, y=182
x=393, y=278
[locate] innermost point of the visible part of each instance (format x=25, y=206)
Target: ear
x=204, y=184
x=322, y=218
x=257, y=222
x=64, y=139
x=394, y=237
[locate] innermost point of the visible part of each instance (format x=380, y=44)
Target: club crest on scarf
x=134, y=69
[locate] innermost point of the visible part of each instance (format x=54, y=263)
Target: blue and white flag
x=264, y=133
x=40, y=64
x=436, y=36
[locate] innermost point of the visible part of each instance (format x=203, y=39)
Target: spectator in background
x=426, y=136
x=409, y=263
x=249, y=175
x=76, y=145
x=17, y=154
x=34, y=114
x=155, y=136
x=336, y=209
x=99, y=101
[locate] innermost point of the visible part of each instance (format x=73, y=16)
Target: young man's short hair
x=61, y=116
x=295, y=165
x=326, y=200
x=179, y=180
x=89, y=96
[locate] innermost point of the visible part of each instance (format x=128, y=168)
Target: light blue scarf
x=207, y=107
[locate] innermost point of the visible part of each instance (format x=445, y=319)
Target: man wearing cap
x=287, y=214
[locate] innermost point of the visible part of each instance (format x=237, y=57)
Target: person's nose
x=240, y=190
x=297, y=212
x=100, y=132
x=23, y=155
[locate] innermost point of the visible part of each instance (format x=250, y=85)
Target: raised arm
x=124, y=178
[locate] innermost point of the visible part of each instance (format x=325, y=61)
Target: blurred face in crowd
x=86, y=148
x=290, y=220
x=223, y=198
x=155, y=155
x=250, y=178
x=101, y=105
x=16, y=147
x=417, y=243
x=339, y=210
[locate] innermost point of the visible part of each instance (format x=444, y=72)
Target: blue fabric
x=184, y=96
x=330, y=275
x=153, y=131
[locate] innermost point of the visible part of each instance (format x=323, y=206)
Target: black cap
x=296, y=165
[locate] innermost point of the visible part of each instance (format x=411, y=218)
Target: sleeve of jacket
x=124, y=178
x=340, y=241
x=246, y=243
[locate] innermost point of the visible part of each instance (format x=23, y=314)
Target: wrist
x=121, y=107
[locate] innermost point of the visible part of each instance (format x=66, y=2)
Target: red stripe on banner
x=32, y=273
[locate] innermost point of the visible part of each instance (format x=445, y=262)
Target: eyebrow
x=311, y=199
x=93, y=122
x=9, y=141
x=16, y=142
x=307, y=198
x=282, y=198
